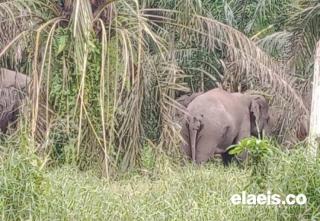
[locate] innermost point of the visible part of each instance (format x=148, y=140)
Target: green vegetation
x=167, y=192
x=106, y=74
x=97, y=138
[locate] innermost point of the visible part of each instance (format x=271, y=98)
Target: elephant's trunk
x=193, y=138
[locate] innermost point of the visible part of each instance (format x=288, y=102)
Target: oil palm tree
x=295, y=46
x=110, y=71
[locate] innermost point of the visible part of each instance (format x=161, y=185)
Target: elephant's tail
x=195, y=125
x=193, y=139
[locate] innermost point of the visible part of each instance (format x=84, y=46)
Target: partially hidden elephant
x=11, y=85
x=217, y=119
x=10, y=101
x=9, y=78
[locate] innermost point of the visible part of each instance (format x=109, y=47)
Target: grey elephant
x=217, y=119
x=9, y=78
x=10, y=101
x=12, y=86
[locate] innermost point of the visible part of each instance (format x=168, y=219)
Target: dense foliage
x=106, y=73
x=105, y=78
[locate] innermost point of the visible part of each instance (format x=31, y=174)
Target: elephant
x=217, y=119
x=9, y=78
x=10, y=101
x=11, y=85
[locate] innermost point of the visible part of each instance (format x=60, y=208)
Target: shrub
x=258, y=152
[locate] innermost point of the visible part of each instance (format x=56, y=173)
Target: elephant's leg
x=226, y=158
x=205, y=149
x=244, y=133
x=211, y=144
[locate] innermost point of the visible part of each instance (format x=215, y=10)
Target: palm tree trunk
x=314, y=136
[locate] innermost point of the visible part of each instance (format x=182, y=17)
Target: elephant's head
x=259, y=115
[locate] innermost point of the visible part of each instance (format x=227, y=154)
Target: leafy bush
x=257, y=153
x=257, y=149
x=283, y=173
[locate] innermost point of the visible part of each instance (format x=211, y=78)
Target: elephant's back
x=214, y=108
x=218, y=125
x=211, y=110
x=234, y=105
x=208, y=101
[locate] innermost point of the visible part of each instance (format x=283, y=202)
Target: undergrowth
x=172, y=192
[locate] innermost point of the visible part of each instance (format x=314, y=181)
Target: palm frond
x=304, y=26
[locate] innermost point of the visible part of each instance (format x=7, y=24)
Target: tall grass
x=22, y=186
x=167, y=192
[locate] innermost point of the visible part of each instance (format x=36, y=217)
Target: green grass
x=165, y=193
